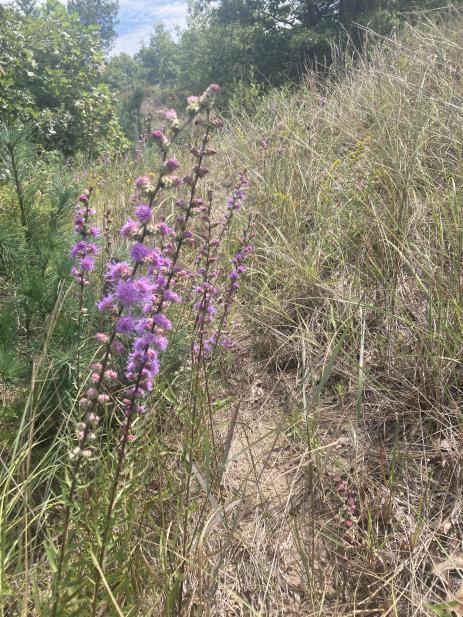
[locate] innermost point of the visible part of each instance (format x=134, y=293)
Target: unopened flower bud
x=160, y=138
x=201, y=171
x=92, y=393
x=92, y=418
x=101, y=337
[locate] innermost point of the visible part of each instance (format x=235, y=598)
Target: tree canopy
x=101, y=13
x=51, y=75
x=266, y=41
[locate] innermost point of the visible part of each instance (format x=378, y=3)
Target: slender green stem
x=62, y=554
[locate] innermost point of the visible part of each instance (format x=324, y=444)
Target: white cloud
x=131, y=42
x=137, y=19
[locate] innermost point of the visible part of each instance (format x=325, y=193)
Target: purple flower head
x=106, y=303
x=127, y=293
x=79, y=249
x=94, y=232
x=161, y=343
x=139, y=251
x=130, y=229
x=171, y=296
x=170, y=115
x=144, y=213
x=171, y=165
x=117, y=347
x=235, y=201
x=142, y=181
x=117, y=271
x=193, y=104
x=227, y=343
x=87, y=264
x=125, y=324
x=141, y=325
x=144, y=287
x=162, y=321
x=159, y=137
x=161, y=282
x=155, y=259
x=144, y=341
x=164, y=229
x=83, y=199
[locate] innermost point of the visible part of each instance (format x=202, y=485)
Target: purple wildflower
x=162, y=321
x=87, y=264
x=159, y=137
x=171, y=165
x=117, y=271
x=139, y=251
x=130, y=229
x=125, y=324
x=127, y=293
x=143, y=213
x=164, y=229
x=79, y=248
x=142, y=181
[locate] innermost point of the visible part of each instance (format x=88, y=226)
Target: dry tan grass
x=351, y=376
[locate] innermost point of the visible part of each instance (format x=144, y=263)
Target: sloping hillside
x=354, y=311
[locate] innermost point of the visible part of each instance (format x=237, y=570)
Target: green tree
x=159, y=59
x=101, y=13
x=121, y=73
x=26, y=7
x=279, y=39
x=51, y=77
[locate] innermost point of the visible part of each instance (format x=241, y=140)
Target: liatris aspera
x=137, y=294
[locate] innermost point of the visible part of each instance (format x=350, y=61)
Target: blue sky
x=137, y=18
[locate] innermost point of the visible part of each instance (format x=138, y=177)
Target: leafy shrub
x=51, y=77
